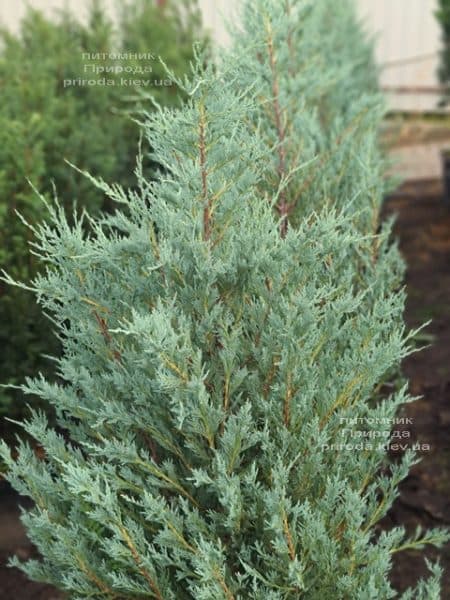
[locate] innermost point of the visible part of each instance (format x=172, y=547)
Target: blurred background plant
x=443, y=16
x=45, y=120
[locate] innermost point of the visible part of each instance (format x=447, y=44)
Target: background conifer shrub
x=43, y=122
x=319, y=105
x=319, y=112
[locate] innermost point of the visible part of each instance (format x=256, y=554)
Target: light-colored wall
x=405, y=29
x=214, y=13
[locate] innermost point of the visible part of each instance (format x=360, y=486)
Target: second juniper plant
x=318, y=106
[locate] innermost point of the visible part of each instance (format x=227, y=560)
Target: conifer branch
x=103, y=587
x=107, y=336
x=176, y=486
x=326, y=156
x=270, y=375
x=341, y=400
x=283, y=207
x=152, y=446
x=179, y=536
x=223, y=585
x=287, y=401
x=376, y=515
x=204, y=175
x=167, y=443
x=226, y=400
x=290, y=541
x=137, y=559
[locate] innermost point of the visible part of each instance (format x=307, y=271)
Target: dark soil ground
x=423, y=227
x=14, y=585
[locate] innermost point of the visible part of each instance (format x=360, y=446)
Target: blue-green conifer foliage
x=221, y=356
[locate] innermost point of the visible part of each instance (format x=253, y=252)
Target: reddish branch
x=107, y=336
x=137, y=559
x=204, y=174
x=283, y=207
x=287, y=403
x=152, y=446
